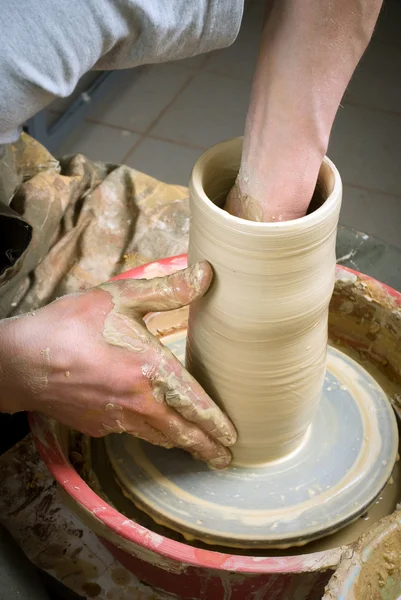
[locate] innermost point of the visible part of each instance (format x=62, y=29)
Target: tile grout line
x=139, y=141
x=187, y=145
x=149, y=135
x=364, y=188
x=160, y=115
x=229, y=76
x=169, y=104
x=386, y=111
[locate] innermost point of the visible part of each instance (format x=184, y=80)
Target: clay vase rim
x=230, y=221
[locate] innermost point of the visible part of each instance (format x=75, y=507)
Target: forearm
x=308, y=54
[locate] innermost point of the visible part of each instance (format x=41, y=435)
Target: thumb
x=164, y=293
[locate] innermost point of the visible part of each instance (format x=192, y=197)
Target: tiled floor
x=161, y=121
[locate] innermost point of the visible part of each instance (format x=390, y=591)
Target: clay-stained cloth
x=67, y=225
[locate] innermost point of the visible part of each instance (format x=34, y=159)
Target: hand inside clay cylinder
x=308, y=53
x=88, y=361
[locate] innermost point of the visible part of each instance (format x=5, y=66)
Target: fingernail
x=228, y=439
x=198, y=278
x=221, y=462
x=167, y=445
x=195, y=271
x=199, y=270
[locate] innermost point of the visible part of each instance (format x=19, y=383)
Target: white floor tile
x=166, y=161
x=377, y=80
x=211, y=109
x=387, y=30
x=372, y=212
x=99, y=142
x=136, y=105
x=193, y=62
x=366, y=147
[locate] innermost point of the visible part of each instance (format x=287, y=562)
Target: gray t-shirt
x=47, y=45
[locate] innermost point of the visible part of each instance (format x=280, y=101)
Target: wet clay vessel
x=364, y=319
x=257, y=341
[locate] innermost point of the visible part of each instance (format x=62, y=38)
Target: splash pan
x=365, y=324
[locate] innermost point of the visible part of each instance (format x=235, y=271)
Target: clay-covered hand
x=289, y=202
x=243, y=206
x=88, y=361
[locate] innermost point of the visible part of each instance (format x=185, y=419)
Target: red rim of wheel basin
x=50, y=449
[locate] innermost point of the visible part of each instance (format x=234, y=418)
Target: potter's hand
x=88, y=361
x=290, y=201
x=308, y=53
x=243, y=206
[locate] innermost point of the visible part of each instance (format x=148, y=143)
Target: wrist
x=21, y=376
x=281, y=182
x=10, y=401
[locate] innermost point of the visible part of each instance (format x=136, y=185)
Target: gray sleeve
x=47, y=45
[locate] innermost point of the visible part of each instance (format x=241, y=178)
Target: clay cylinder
x=257, y=340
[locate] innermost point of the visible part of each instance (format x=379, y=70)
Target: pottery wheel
x=339, y=470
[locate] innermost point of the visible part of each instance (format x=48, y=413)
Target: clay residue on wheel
x=382, y=570
x=367, y=318
x=373, y=569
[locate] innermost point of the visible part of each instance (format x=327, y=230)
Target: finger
x=243, y=206
x=191, y=438
x=142, y=296
x=183, y=393
x=137, y=427
x=146, y=432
